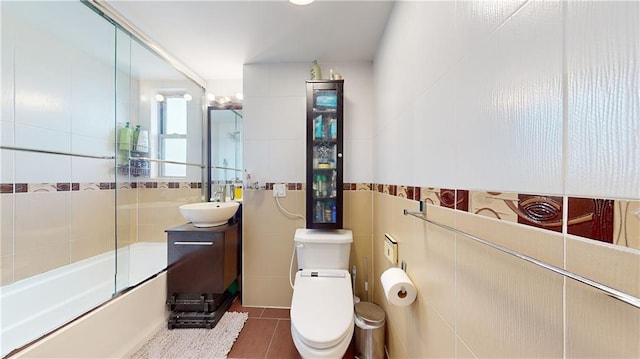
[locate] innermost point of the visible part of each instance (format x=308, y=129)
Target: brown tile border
x=591, y=218
x=7, y=188
x=447, y=198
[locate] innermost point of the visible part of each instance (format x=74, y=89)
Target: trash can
x=369, y=320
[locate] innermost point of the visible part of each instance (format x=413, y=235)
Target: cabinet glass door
x=325, y=211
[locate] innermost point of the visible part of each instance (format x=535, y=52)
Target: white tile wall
x=603, y=61
x=287, y=160
x=509, y=105
x=435, y=136
x=507, y=70
x=257, y=116
x=256, y=158
x=65, y=92
x=275, y=120
x=57, y=105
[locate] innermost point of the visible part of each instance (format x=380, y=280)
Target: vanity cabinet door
x=195, y=262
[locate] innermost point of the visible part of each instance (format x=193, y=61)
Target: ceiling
x=215, y=38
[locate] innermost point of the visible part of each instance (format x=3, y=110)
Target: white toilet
x=322, y=305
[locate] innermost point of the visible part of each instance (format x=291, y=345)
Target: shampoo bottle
x=333, y=128
x=318, y=128
x=136, y=135
x=125, y=138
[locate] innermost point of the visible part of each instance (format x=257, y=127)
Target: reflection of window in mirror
x=173, y=134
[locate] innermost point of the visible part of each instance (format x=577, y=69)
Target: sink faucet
x=219, y=195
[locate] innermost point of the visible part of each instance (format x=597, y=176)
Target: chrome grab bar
x=621, y=296
x=33, y=150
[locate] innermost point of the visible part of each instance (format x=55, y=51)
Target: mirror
x=224, y=144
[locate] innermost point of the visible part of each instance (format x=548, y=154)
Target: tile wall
x=37, y=236
x=268, y=242
x=274, y=139
x=472, y=300
x=475, y=301
x=522, y=115
x=63, y=91
x=517, y=122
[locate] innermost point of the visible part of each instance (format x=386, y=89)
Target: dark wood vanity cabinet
x=202, y=260
x=202, y=264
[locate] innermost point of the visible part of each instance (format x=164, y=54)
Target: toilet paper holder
x=397, y=286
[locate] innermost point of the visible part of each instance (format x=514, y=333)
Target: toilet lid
x=322, y=306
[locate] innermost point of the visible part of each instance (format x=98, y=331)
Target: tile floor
x=267, y=334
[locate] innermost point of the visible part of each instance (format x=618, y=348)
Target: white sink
x=209, y=214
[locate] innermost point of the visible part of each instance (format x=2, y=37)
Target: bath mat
x=194, y=343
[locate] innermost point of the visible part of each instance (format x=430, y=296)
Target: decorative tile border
x=7, y=188
x=297, y=186
x=606, y=220
x=592, y=218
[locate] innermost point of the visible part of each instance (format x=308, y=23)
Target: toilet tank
x=323, y=249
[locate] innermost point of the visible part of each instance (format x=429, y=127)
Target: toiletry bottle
x=237, y=191
x=333, y=212
x=317, y=213
x=125, y=138
x=333, y=128
x=334, y=184
x=142, y=145
x=136, y=135
x=327, y=214
x=322, y=185
x=318, y=127
x=316, y=73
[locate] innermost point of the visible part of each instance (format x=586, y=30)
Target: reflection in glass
x=225, y=149
x=96, y=225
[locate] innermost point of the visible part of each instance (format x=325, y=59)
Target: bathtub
x=34, y=306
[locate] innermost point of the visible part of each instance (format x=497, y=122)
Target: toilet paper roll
x=398, y=287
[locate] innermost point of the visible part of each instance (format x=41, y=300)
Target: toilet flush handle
x=299, y=245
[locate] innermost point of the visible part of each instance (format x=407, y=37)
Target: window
x=173, y=135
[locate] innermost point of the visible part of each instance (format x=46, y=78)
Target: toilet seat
x=322, y=307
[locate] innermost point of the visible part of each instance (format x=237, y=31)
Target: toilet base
x=334, y=352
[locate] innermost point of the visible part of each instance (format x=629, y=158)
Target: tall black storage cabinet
x=324, y=154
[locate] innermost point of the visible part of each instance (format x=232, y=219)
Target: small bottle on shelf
x=333, y=212
x=333, y=129
x=318, y=130
x=317, y=215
